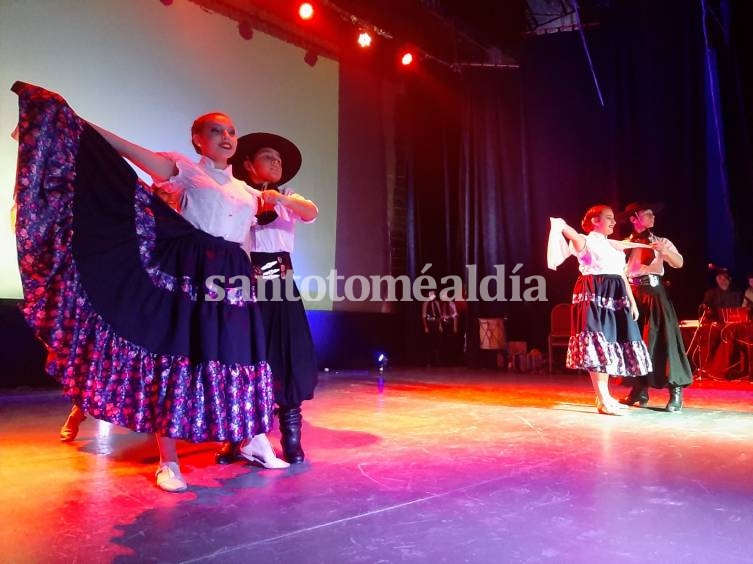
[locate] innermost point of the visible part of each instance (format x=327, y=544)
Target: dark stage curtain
x=467, y=198
x=494, y=153
x=648, y=141
x=490, y=210
x=730, y=70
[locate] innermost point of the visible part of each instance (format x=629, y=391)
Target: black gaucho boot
x=675, y=399
x=228, y=453
x=290, y=429
x=638, y=393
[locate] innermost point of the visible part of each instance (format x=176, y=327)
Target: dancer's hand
x=271, y=197
x=634, y=310
x=659, y=246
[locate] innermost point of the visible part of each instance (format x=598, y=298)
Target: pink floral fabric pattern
x=589, y=350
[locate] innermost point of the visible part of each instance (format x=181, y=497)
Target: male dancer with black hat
x=266, y=161
x=658, y=320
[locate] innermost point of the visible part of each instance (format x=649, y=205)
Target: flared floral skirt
x=604, y=336
x=114, y=285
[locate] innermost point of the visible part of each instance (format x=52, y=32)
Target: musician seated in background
x=723, y=295
x=724, y=357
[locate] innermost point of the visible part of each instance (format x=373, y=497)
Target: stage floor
x=433, y=466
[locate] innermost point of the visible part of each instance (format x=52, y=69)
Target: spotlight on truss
x=364, y=39
x=306, y=11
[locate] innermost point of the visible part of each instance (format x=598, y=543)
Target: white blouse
x=211, y=199
x=600, y=255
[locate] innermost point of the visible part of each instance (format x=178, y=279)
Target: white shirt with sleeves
x=601, y=256
x=656, y=266
x=279, y=235
x=211, y=199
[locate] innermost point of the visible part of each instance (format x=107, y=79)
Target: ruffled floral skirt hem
x=604, y=335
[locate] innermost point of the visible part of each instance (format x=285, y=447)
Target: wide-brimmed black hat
x=250, y=144
x=638, y=206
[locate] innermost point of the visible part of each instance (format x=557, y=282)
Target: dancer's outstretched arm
x=159, y=167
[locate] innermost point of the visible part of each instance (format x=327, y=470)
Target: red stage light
x=306, y=11
x=406, y=59
x=364, y=39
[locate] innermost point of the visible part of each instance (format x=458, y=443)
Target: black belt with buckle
x=647, y=280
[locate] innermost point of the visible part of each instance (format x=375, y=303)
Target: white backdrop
x=145, y=71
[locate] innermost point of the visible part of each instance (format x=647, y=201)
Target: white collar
x=208, y=164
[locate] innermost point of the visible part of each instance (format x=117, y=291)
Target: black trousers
x=661, y=333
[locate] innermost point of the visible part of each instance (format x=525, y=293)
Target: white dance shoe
x=259, y=450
